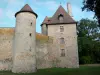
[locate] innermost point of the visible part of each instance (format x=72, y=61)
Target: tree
x=92, y=5
x=88, y=41
x=88, y=28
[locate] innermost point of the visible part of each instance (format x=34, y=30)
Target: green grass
x=83, y=70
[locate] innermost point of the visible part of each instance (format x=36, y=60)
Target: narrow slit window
x=62, y=52
x=30, y=49
x=30, y=34
x=31, y=23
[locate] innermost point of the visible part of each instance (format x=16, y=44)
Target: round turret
x=24, y=56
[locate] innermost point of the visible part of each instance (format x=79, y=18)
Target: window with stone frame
x=62, y=52
x=62, y=41
x=61, y=28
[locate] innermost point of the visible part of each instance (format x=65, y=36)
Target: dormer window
x=48, y=20
x=60, y=18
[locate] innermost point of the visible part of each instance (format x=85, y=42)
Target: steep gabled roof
x=66, y=17
x=26, y=8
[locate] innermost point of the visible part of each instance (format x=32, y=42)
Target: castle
x=23, y=50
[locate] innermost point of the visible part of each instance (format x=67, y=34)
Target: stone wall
x=43, y=49
x=48, y=52
x=6, y=37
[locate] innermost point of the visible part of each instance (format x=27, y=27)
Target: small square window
x=61, y=29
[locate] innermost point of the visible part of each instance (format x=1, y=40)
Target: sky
x=43, y=8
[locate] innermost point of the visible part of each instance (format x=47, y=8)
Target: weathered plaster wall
x=70, y=45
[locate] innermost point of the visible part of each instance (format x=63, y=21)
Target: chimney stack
x=69, y=9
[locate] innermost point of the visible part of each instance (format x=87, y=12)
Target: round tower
x=24, y=56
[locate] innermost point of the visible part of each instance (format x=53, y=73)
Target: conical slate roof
x=26, y=8
x=67, y=19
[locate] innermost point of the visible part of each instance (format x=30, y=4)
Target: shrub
x=86, y=60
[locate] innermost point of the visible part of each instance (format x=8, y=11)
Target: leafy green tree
x=92, y=5
x=88, y=41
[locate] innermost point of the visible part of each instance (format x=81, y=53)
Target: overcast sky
x=43, y=8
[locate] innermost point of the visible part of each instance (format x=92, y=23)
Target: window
x=48, y=20
x=31, y=23
x=30, y=49
x=61, y=28
x=62, y=52
x=62, y=41
x=60, y=18
x=30, y=34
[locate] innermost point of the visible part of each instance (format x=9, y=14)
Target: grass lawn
x=83, y=70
